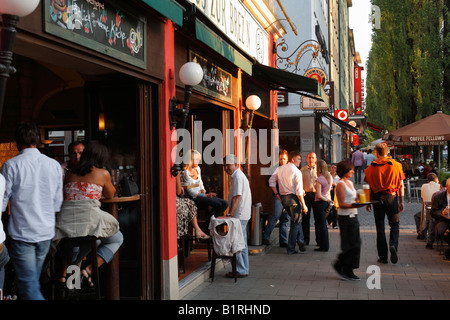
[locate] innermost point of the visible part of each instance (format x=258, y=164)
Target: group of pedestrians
x=306, y=191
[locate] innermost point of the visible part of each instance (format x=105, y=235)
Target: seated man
x=441, y=212
x=428, y=189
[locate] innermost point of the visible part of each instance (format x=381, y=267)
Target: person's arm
x=302, y=201
x=180, y=190
x=234, y=204
x=108, y=189
x=401, y=195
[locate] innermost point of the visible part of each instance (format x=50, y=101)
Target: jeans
x=106, y=248
x=277, y=214
x=358, y=170
x=218, y=205
x=242, y=265
x=4, y=258
x=27, y=259
x=387, y=207
x=293, y=206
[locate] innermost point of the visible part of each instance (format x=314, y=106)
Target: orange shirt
x=384, y=175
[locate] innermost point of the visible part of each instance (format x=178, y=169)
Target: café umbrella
x=430, y=131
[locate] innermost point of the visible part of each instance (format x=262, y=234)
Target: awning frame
x=290, y=82
x=339, y=122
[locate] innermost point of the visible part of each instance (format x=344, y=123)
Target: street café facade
x=108, y=70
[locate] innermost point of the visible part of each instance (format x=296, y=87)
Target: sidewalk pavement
x=420, y=273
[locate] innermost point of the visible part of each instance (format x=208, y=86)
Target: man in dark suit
x=440, y=210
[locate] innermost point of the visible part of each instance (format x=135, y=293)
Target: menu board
x=216, y=82
x=103, y=26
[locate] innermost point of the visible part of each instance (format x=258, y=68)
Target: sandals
x=87, y=279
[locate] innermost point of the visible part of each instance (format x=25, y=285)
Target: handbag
x=127, y=187
x=328, y=209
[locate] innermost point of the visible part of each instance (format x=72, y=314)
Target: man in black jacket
x=440, y=210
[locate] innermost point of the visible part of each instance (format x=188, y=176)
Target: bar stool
x=83, y=293
x=213, y=264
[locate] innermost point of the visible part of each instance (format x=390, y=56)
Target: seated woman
x=80, y=213
x=187, y=213
x=191, y=181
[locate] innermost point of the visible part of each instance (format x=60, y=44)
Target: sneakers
x=394, y=257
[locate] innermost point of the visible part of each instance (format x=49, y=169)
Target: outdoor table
x=112, y=292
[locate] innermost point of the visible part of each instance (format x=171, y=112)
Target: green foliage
x=405, y=69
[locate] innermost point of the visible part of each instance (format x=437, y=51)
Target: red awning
x=374, y=127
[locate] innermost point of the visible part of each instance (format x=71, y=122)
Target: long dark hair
x=95, y=154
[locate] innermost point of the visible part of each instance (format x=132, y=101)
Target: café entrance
x=68, y=103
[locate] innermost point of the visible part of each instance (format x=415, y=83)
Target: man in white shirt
x=34, y=189
x=290, y=184
x=240, y=204
x=427, y=191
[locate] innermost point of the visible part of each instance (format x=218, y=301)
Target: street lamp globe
x=18, y=8
x=253, y=103
x=191, y=73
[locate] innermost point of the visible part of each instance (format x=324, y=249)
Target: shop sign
x=341, y=114
x=283, y=98
x=239, y=25
x=317, y=74
x=216, y=82
x=98, y=25
x=312, y=104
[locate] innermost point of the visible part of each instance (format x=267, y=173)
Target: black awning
x=340, y=123
x=288, y=81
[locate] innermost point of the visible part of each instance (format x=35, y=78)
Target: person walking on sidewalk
x=385, y=177
x=278, y=212
x=358, y=161
x=349, y=258
x=290, y=183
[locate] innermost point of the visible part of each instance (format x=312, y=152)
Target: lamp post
x=11, y=11
x=191, y=74
x=252, y=104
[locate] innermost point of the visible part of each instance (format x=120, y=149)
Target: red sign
x=355, y=139
x=341, y=114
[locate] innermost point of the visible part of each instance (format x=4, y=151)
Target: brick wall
x=7, y=151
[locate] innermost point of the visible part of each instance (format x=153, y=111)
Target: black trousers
x=349, y=257
x=309, y=201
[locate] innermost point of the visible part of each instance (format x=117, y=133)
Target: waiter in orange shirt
x=385, y=177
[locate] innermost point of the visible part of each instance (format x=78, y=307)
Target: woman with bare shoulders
x=81, y=215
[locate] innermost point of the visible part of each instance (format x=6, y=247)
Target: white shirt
x=350, y=197
x=195, y=186
x=289, y=179
x=2, y=193
x=230, y=243
x=428, y=189
x=239, y=186
x=34, y=188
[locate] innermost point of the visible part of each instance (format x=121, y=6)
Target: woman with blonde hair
x=191, y=180
x=322, y=202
